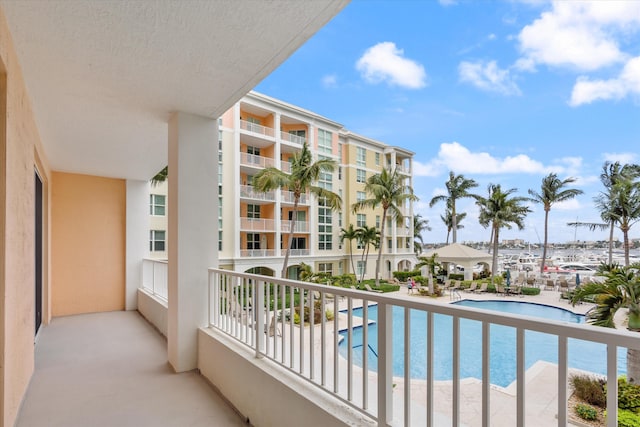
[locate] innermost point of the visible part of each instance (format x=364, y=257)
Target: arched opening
x=264, y=271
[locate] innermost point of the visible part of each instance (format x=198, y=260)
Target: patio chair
x=550, y=285
x=370, y=289
x=472, y=288
x=483, y=288
x=274, y=329
x=500, y=290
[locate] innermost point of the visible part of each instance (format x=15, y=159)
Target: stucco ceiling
x=103, y=76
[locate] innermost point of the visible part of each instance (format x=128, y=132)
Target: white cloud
x=579, y=35
x=586, y=91
x=330, y=81
x=456, y=157
x=491, y=36
x=488, y=76
x=385, y=62
x=568, y=205
x=623, y=158
x=447, y=2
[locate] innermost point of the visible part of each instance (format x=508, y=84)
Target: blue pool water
x=538, y=346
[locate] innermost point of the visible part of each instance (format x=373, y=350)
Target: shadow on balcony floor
x=111, y=369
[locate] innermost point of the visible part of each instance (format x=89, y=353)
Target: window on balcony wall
x=157, y=240
x=339, y=173
x=253, y=211
x=361, y=157
x=248, y=180
x=325, y=267
x=299, y=133
x=325, y=229
x=361, y=220
x=378, y=221
x=377, y=159
x=157, y=204
x=360, y=268
x=299, y=243
x=389, y=244
x=253, y=241
x=324, y=141
x=326, y=179
x=219, y=223
x=360, y=196
x=361, y=175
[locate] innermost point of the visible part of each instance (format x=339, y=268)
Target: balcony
x=288, y=197
x=294, y=139
x=154, y=278
x=257, y=253
x=257, y=224
x=249, y=192
x=256, y=129
x=300, y=226
x=285, y=166
x=257, y=162
x=299, y=252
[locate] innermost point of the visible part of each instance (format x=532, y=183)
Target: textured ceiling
x=103, y=76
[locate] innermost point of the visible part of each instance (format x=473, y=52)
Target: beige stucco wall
x=87, y=244
x=19, y=149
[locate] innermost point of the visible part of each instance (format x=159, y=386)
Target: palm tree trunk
x=454, y=223
x=633, y=365
x=382, y=228
x=290, y=242
x=625, y=233
x=448, y=231
x=365, y=255
x=611, y=242
x=494, y=260
x=546, y=236
x=353, y=266
x=491, y=240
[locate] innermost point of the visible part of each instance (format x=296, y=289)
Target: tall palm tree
x=625, y=200
x=621, y=289
x=367, y=236
x=419, y=225
x=349, y=234
x=447, y=218
x=388, y=190
x=499, y=210
x=457, y=188
x=304, y=174
x=552, y=191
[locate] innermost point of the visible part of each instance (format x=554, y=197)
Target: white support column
x=137, y=243
x=193, y=231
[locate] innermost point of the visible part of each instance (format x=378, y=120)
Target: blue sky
x=501, y=92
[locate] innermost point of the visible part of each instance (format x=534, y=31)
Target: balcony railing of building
x=248, y=159
x=254, y=253
x=257, y=224
x=403, y=232
x=256, y=128
x=289, y=197
x=154, y=277
x=300, y=227
x=249, y=192
x=295, y=139
x=285, y=166
x=299, y=252
x=313, y=352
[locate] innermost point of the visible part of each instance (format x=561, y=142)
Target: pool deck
x=541, y=379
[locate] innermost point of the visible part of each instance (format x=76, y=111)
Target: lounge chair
x=472, y=288
x=483, y=288
x=500, y=290
x=274, y=329
x=550, y=285
x=370, y=289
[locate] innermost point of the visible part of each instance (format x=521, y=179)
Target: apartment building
x=260, y=132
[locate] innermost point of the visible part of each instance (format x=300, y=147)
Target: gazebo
x=462, y=255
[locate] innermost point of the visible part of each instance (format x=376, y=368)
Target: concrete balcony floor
x=111, y=369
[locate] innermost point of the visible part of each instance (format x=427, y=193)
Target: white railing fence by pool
x=154, y=277
x=263, y=313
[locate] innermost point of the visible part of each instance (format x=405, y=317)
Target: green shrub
x=589, y=389
x=628, y=395
x=586, y=412
x=329, y=314
x=530, y=291
x=628, y=418
x=402, y=276
x=455, y=276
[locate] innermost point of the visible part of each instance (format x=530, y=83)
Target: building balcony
x=257, y=224
x=300, y=226
x=285, y=166
x=255, y=128
x=257, y=253
x=293, y=139
x=288, y=197
x=299, y=252
x=257, y=162
x=249, y=192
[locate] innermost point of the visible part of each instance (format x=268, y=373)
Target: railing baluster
x=283, y=309
x=612, y=386
x=520, y=377
x=486, y=374
x=335, y=344
x=430, y=351
x=365, y=354
x=312, y=315
x=407, y=367
x=259, y=325
x=292, y=311
x=350, y=351
x=302, y=319
x=456, y=371
x=323, y=340
x=385, y=366
x=267, y=320
x=562, y=381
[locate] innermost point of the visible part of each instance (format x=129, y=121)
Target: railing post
x=259, y=324
x=385, y=365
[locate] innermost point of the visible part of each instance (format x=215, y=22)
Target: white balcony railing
x=313, y=352
x=289, y=197
x=256, y=128
x=254, y=253
x=300, y=227
x=285, y=166
x=154, y=277
x=299, y=252
x=249, y=192
x=257, y=224
x=289, y=137
x=256, y=161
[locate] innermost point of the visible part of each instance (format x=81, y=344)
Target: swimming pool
x=538, y=346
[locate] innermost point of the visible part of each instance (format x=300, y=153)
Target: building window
x=157, y=204
x=389, y=244
x=325, y=229
x=360, y=268
x=339, y=173
x=361, y=175
x=219, y=240
x=253, y=211
x=377, y=159
x=325, y=180
x=361, y=157
x=301, y=133
x=361, y=220
x=253, y=241
x=324, y=141
x=157, y=240
x=378, y=221
x=325, y=267
x=360, y=196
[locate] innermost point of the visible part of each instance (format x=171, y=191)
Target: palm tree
x=304, y=174
x=349, y=234
x=432, y=264
x=625, y=200
x=419, y=225
x=499, y=210
x=447, y=218
x=552, y=191
x=388, y=190
x=457, y=188
x=367, y=236
x=621, y=289
x=160, y=176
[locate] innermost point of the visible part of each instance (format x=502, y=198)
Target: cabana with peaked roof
x=462, y=255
